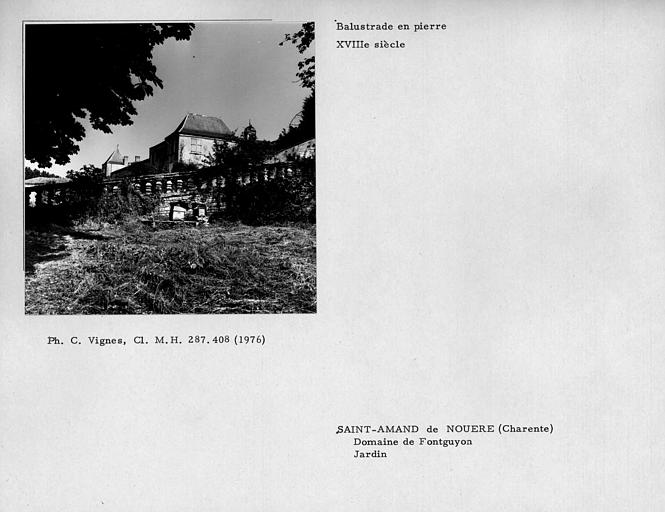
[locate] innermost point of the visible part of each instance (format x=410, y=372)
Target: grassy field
x=212, y=269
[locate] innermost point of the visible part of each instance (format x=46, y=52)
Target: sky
x=232, y=70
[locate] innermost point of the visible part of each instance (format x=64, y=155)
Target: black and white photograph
x=169, y=168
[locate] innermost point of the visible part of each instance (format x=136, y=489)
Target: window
x=196, y=146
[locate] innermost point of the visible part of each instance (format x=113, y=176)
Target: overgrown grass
x=215, y=269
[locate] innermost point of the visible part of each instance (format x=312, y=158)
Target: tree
x=233, y=160
x=304, y=128
x=74, y=71
x=89, y=180
x=303, y=38
x=84, y=191
x=37, y=173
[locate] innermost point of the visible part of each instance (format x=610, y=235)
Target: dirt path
x=46, y=247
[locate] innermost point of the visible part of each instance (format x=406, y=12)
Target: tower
x=249, y=133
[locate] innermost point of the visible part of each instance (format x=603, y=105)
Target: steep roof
x=162, y=143
x=303, y=151
x=115, y=158
x=198, y=124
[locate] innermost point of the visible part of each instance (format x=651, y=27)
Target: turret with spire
x=249, y=133
x=114, y=161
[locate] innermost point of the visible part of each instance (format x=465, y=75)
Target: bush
x=124, y=205
x=277, y=201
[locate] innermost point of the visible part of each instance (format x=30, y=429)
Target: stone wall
x=201, y=187
x=195, y=150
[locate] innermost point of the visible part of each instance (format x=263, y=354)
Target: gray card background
x=491, y=244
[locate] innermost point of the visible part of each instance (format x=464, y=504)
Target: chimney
x=125, y=160
x=137, y=158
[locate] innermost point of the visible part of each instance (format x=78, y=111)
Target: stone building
x=190, y=143
x=184, y=189
x=116, y=161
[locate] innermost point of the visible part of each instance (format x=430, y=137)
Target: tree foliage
x=232, y=160
x=38, y=173
x=84, y=191
x=74, y=71
x=86, y=199
x=279, y=200
x=240, y=154
x=301, y=130
x=302, y=39
x=301, y=127
x=88, y=181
